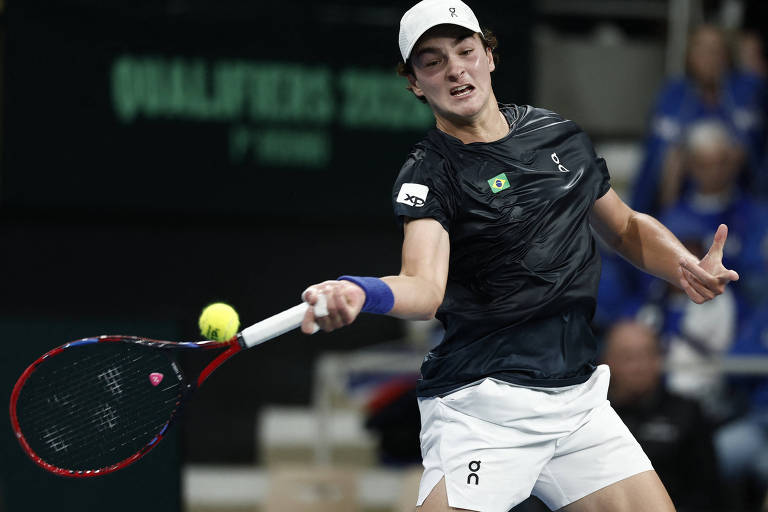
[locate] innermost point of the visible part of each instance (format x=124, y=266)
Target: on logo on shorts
x=474, y=467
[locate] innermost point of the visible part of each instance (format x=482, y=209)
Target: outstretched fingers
x=718, y=243
x=712, y=262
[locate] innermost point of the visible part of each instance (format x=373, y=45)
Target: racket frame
x=254, y=335
x=231, y=347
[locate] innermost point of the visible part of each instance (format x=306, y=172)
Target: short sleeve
x=598, y=165
x=605, y=177
x=424, y=189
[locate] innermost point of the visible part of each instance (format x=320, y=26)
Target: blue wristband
x=378, y=295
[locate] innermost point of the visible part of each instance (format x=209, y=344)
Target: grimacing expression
x=452, y=70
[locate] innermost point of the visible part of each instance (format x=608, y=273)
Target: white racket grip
x=281, y=323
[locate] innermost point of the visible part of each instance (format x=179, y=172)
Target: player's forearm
x=650, y=246
x=416, y=298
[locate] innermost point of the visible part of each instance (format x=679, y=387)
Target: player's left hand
x=704, y=280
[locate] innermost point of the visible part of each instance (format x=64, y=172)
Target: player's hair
x=486, y=36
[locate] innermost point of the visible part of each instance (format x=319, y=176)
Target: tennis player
x=499, y=205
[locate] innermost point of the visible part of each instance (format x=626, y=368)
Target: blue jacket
x=743, y=106
x=746, y=250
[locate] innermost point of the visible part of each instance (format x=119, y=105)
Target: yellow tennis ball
x=219, y=322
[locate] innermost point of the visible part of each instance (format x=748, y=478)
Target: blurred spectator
x=711, y=160
x=393, y=414
x=694, y=334
x=621, y=292
x=710, y=88
x=742, y=444
x=672, y=430
x=751, y=54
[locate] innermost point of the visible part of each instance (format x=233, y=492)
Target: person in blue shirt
x=709, y=89
x=712, y=165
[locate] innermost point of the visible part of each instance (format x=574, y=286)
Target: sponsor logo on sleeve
x=413, y=194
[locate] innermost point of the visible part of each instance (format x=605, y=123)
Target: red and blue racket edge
x=95, y=405
x=66, y=390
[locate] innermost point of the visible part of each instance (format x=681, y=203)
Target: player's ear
x=489, y=55
x=414, y=85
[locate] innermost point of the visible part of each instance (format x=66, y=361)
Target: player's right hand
x=706, y=279
x=344, y=301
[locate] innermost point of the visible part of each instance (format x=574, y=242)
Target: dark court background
x=161, y=155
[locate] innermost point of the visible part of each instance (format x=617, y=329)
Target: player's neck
x=490, y=125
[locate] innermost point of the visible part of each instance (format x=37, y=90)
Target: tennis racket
x=94, y=406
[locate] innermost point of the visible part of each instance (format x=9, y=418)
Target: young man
x=497, y=204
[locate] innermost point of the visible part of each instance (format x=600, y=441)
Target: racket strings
x=103, y=415
x=76, y=374
x=75, y=381
x=100, y=418
x=92, y=406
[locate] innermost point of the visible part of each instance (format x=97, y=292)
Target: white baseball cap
x=429, y=13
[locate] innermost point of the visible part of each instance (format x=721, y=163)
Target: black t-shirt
x=524, y=266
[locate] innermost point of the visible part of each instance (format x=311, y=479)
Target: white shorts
x=497, y=443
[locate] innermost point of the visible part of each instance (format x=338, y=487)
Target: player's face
x=452, y=70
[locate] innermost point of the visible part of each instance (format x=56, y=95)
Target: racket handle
x=281, y=323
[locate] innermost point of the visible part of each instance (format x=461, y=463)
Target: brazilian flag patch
x=498, y=183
